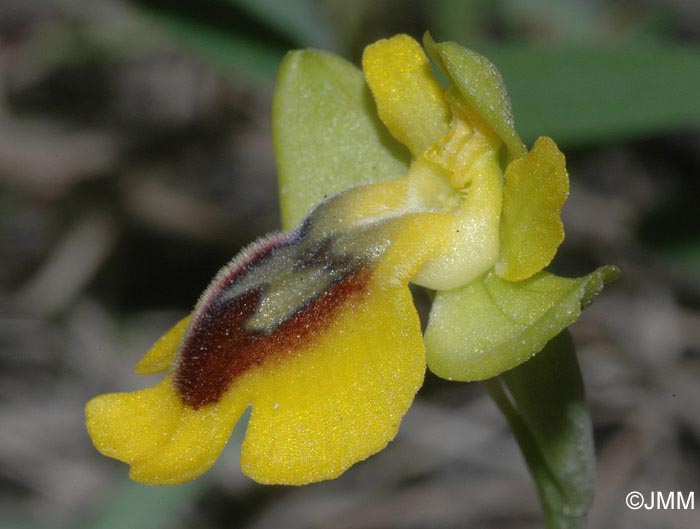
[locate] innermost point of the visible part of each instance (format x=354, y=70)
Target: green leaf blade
x=326, y=132
x=139, y=506
x=230, y=52
x=299, y=20
x=584, y=94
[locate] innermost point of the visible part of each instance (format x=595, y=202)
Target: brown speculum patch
x=272, y=304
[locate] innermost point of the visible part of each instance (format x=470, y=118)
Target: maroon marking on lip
x=219, y=348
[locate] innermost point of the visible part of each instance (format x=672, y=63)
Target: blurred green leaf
x=557, y=19
x=300, y=20
x=327, y=133
x=460, y=20
x=585, y=95
x=233, y=36
x=230, y=51
x=685, y=255
x=544, y=403
x=138, y=506
x=15, y=521
x=492, y=325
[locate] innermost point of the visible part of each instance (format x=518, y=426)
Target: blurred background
x=136, y=159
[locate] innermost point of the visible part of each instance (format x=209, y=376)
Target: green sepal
x=544, y=403
x=481, y=86
x=326, y=132
x=491, y=325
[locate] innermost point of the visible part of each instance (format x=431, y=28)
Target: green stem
x=550, y=493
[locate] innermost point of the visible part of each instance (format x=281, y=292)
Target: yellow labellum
x=316, y=409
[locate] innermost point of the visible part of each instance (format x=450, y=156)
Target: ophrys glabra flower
x=315, y=328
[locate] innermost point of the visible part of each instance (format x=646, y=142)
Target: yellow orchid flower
x=315, y=328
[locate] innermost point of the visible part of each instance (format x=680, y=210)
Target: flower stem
x=549, y=490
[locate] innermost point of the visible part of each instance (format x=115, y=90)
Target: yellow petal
x=341, y=400
x=408, y=97
x=126, y=426
x=320, y=403
x=161, y=354
x=163, y=441
x=531, y=230
x=195, y=444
